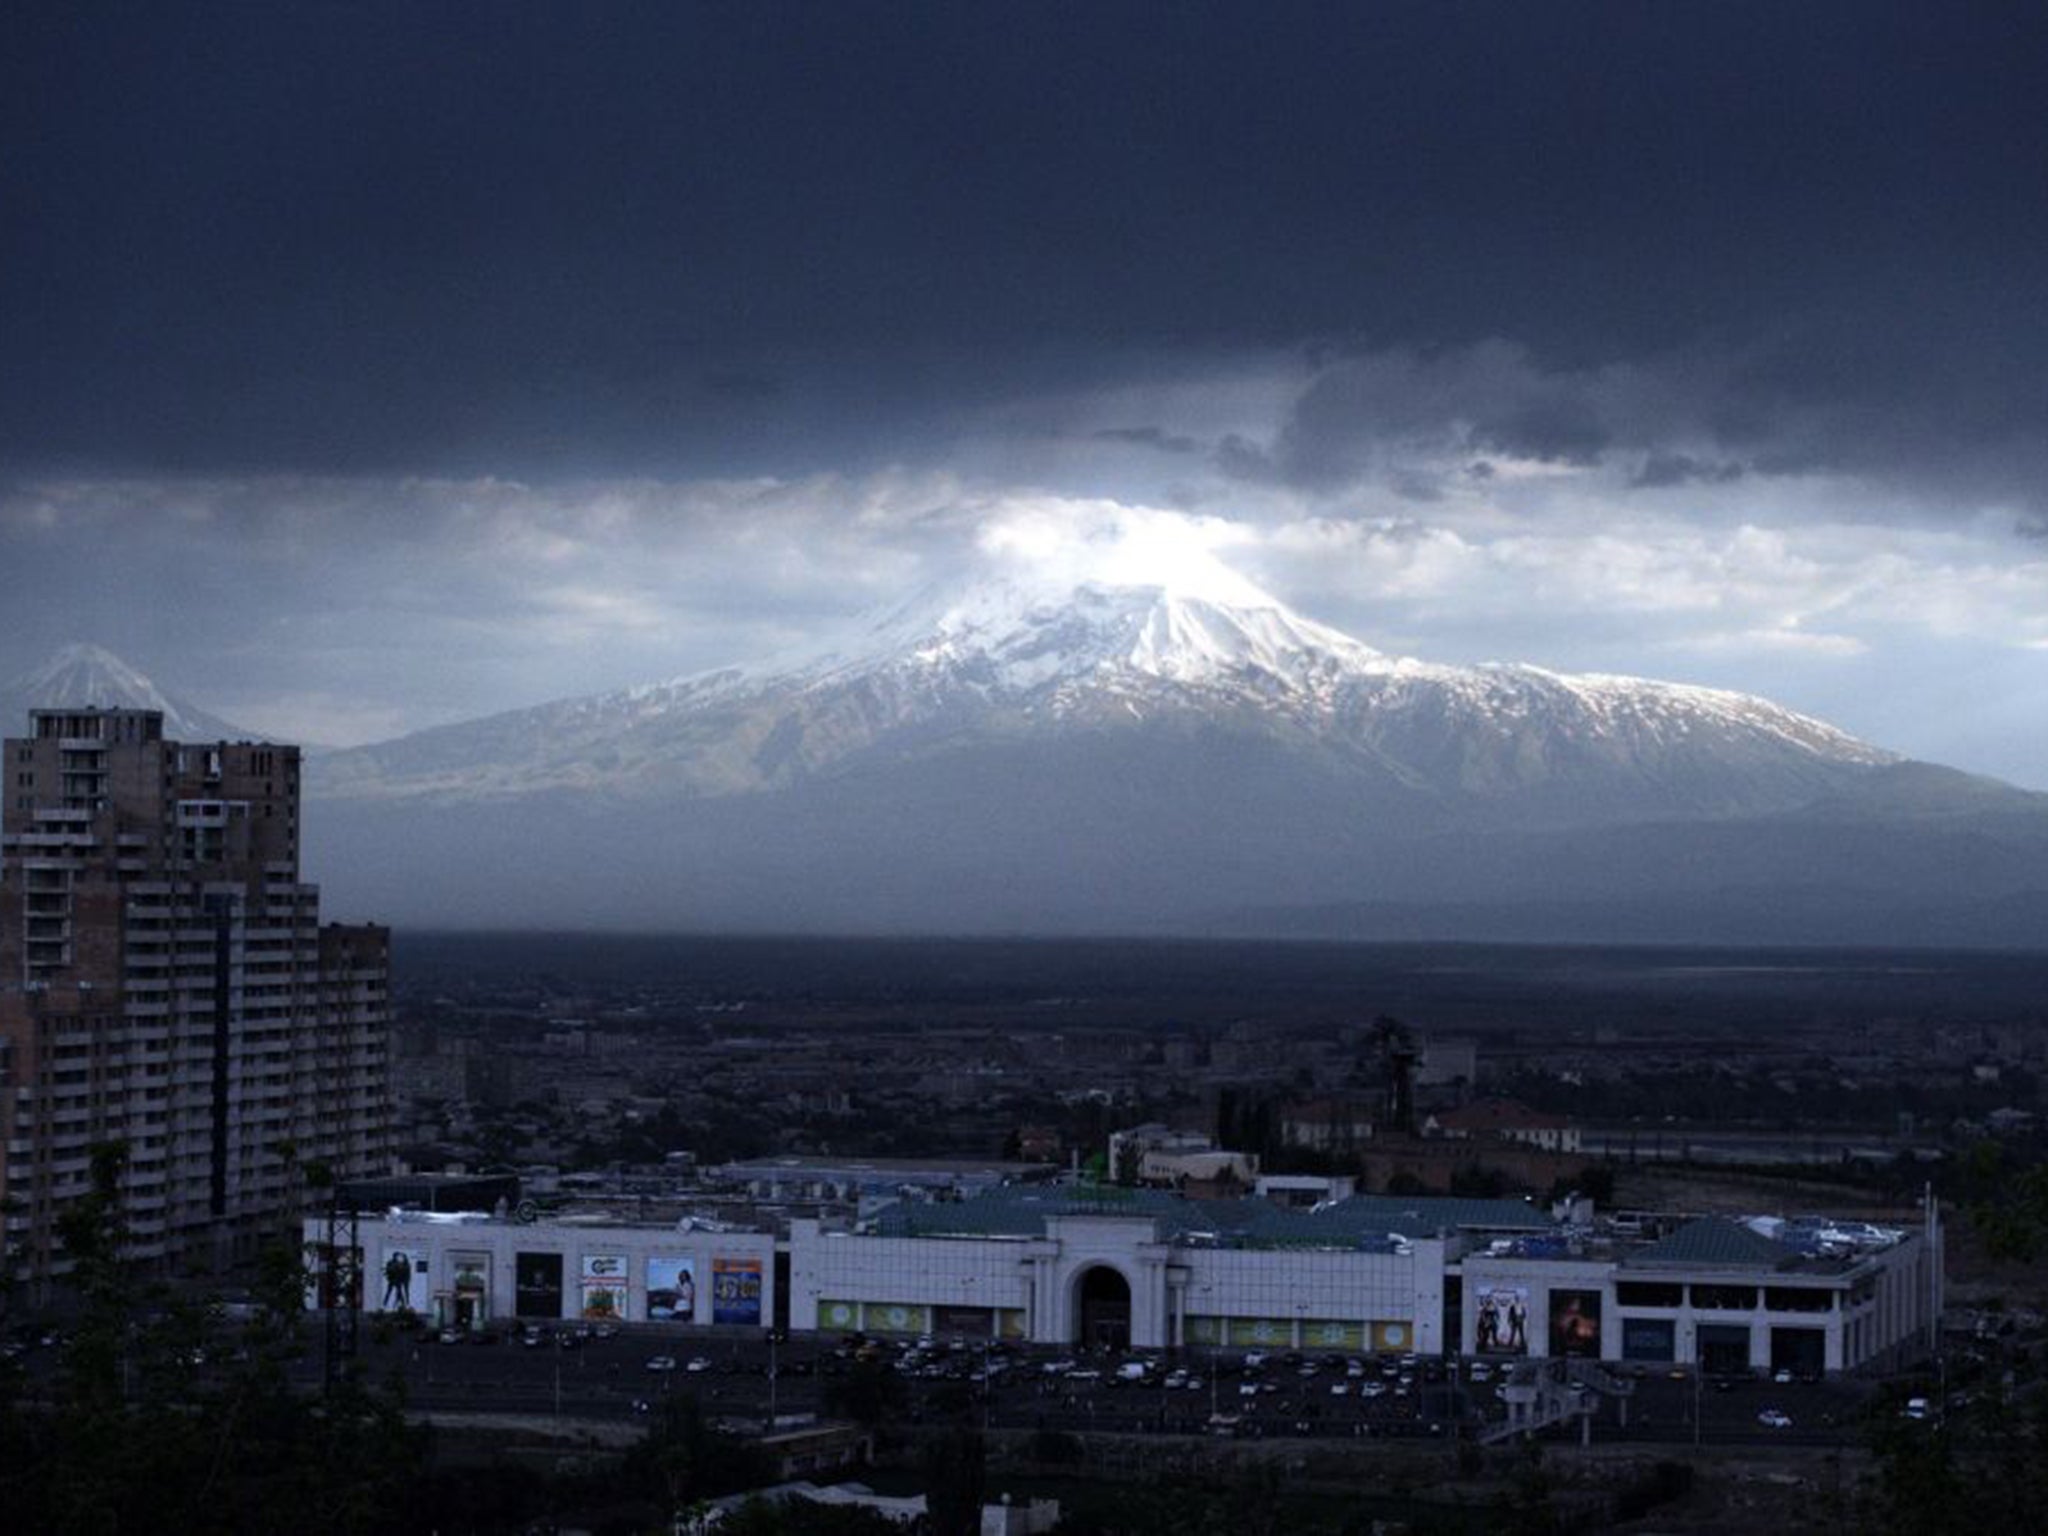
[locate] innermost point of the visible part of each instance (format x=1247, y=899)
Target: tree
x=956, y=1475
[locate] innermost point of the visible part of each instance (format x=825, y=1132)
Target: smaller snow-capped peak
x=87, y=676
x=91, y=675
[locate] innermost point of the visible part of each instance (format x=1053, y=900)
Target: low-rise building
x=1107, y=1267
x=1506, y=1120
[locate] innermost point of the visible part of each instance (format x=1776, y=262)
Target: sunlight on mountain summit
x=1061, y=545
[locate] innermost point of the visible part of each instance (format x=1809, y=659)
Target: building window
x=1648, y=1293
x=1724, y=1298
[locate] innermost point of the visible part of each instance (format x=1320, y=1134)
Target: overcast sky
x=369, y=366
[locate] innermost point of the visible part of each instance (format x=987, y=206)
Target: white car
x=698, y=1365
x=1774, y=1418
x=661, y=1362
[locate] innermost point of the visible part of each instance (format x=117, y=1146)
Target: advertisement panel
x=1261, y=1332
x=405, y=1282
x=1392, y=1338
x=892, y=1317
x=1010, y=1322
x=470, y=1285
x=604, y=1287
x=1503, y=1320
x=537, y=1284
x=843, y=1315
x=1649, y=1338
x=736, y=1291
x=1320, y=1333
x=671, y=1288
x=964, y=1322
x=1204, y=1330
x=1575, y=1324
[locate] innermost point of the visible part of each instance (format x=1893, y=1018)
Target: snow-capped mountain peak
x=1020, y=636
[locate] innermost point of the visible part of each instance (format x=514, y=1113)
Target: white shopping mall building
x=1105, y=1267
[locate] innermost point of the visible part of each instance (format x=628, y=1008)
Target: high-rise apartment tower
x=165, y=984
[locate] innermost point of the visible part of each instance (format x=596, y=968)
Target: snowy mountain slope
x=1011, y=660
x=1029, y=757
x=93, y=677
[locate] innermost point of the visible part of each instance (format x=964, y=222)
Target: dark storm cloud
x=562, y=239
x=1661, y=470
x=1149, y=437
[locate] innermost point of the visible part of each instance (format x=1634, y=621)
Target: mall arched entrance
x=1103, y=1306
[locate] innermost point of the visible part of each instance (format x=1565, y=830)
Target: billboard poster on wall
x=1648, y=1338
x=898, y=1317
x=1392, y=1338
x=736, y=1291
x=537, y=1284
x=604, y=1287
x=671, y=1288
x=1575, y=1323
x=1503, y=1320
x=1320, y=1333
x=470, y=1297
x=335, y=1276
x=403, y=1282
x=967, y=1322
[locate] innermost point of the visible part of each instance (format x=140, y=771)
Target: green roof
x=1711, y=1240
x=1368, y=1221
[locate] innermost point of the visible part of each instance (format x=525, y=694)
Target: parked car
x=1774, y=1418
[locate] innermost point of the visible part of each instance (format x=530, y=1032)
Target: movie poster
x=1575, y=1324
x=537, y=1284
x=604, y=1287
x=671, y=1288
x=736, y=1291
x=403, y=1283
x=1503, y=1321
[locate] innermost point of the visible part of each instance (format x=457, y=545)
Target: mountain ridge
x=1010, y=658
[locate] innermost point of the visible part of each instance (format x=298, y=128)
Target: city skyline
x=379, y=368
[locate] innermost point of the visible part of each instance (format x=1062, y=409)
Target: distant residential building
x=1447, y=1061
x=1040, y=1143
x=1326, y=1125
x=165, y=984
x=1210, y=1166
x=1506, y=1120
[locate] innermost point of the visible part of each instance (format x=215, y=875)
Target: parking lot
x=585, y=1369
